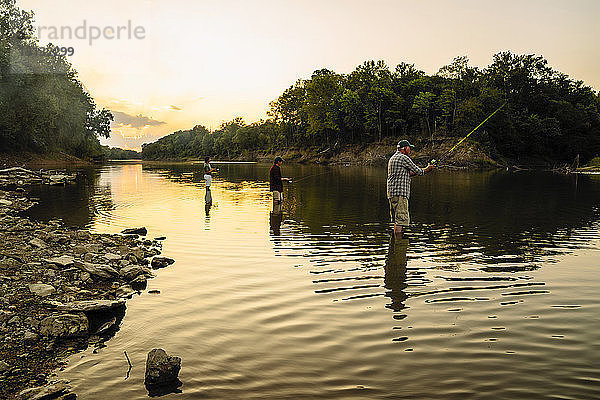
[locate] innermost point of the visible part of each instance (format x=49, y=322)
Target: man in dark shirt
x=276, y=181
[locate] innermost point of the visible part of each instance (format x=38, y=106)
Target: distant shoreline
x=470, y=155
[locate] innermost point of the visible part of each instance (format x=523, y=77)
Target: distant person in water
x=400, y=169
x=276, y=181
x=208, y=171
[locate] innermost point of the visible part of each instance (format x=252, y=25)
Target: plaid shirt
x=398, y=181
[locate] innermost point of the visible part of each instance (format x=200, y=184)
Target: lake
x=493, y=293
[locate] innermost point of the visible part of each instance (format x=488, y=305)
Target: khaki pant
x=399, y=210
x=277, y=197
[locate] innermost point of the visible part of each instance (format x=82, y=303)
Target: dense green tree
x=546, y=115
x=43, y=106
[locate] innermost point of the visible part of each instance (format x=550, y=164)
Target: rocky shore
x=61, y=291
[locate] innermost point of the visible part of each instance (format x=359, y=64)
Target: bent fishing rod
x=447, y=155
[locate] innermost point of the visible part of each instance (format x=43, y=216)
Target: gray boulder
x=131, y=272
x=41, y=289
x=3, y=367
x=37, y=242
x=5, y=316
x=135, y=231
x=87, y=306
x=161, y=262
x=62, y=261
x=30, y=337
x=93, y=248
x=99, y=270
x=124, y=291
x=55, y=390
x=139, y=283
x=106, y=326
x=111, y=257
x=161, y=369
x=64, y=326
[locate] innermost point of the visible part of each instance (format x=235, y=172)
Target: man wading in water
x=400, y=169
x=276, y=181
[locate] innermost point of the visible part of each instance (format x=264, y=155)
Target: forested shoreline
x=547, y=116
x=44, y=108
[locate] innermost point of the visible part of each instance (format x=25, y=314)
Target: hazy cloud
x=134, y=121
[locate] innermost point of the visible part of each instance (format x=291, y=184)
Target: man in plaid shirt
x=400, y=169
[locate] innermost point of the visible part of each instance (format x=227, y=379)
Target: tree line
x=547, y=114
x=44, y=108
x=115, y=153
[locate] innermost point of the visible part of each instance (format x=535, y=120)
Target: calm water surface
x=493, y=295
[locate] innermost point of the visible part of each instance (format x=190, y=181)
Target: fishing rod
x=447, y=155
x=306, y=177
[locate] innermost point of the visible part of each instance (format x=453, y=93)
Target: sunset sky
x=205, y=62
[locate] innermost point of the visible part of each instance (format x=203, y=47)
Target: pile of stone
x=23, y=177
x=61, y=290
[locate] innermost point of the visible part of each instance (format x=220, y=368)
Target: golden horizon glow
x=204, y=62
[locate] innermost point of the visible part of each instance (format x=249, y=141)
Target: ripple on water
x=332, y=309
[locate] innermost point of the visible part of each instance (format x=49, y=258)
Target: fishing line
x=310, y=176
x=470, y=133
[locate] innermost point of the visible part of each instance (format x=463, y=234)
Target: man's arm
x=413, y=169
x=416, y=170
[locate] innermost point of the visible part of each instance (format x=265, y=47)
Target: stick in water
x=128, y=362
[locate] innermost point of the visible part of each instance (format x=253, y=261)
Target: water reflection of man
x=275, y=218
x=395, y=273
x=400, y=170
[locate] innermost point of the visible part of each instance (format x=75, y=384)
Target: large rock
x=55, y=390
x=57, y=238
x=3, y=367
x=135, y=231
x=138, y=252
x=124, y=291
x=111, y=257
x=161, y=262
x=41, y=289
x=102, y=271
x=133, y=271
x=30, y=337
x=106, y=326
x=64, y=326
x=139, y=283
x=62, y=261
x=161, y=369
x=81, y=235
x=87, y=306
x=37, y=242
x=5, y=316
x=93, y=247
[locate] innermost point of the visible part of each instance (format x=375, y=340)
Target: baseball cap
x=405, y=143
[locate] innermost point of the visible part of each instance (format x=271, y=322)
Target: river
x=493, y=293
